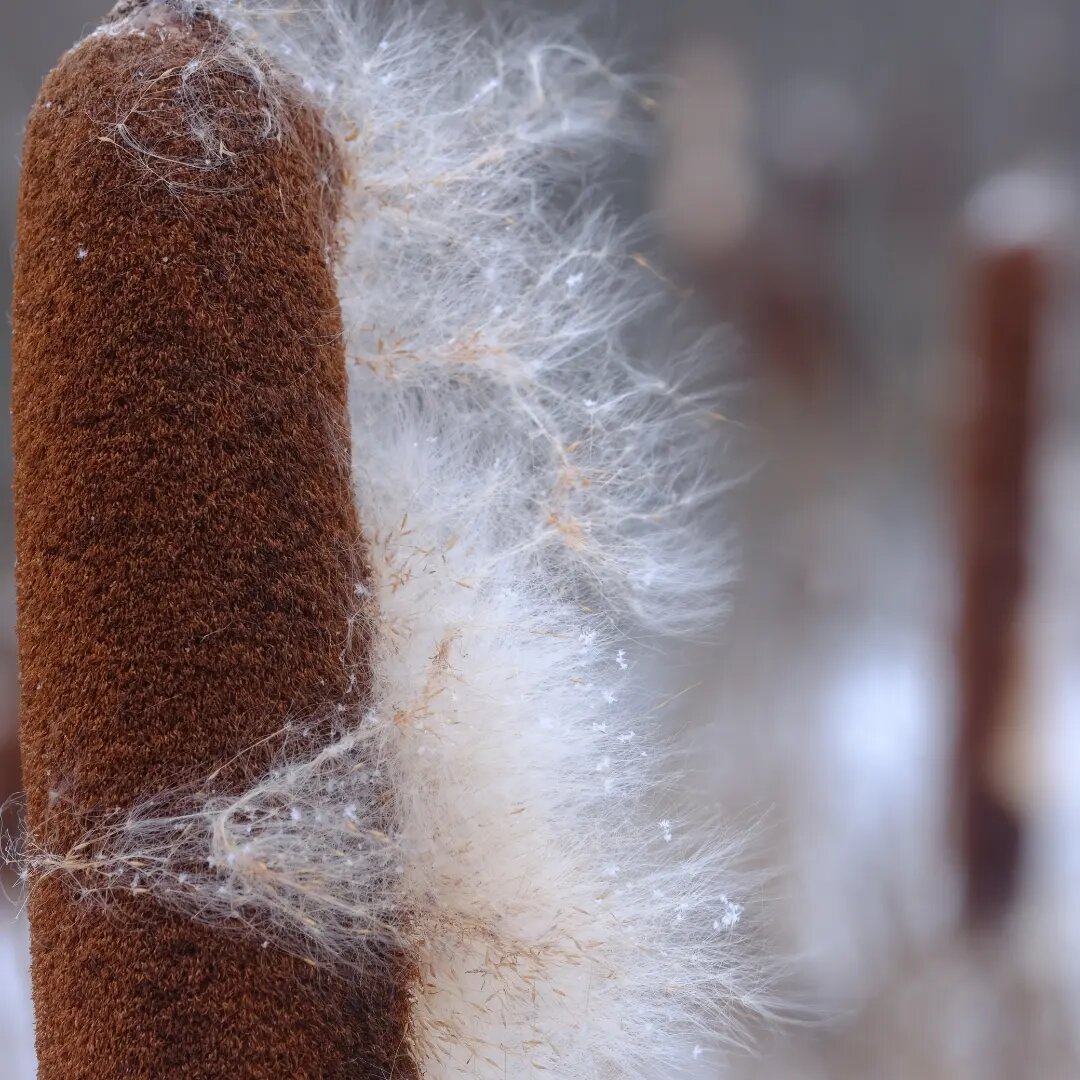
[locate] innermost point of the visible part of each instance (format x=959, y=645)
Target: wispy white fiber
x=531, y=472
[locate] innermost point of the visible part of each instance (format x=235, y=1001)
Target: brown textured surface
x=1007, y=293
x=185, y=538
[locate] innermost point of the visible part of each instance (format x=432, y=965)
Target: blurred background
x=880, y=201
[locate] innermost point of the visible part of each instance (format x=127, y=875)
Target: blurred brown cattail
x=1012, y=223
x=760, y=237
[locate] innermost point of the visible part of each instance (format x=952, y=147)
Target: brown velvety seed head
x=186, y=541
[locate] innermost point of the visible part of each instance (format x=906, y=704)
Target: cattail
x=412, y=751
x=760, y=237
x=186, y=537
x=1013, y=222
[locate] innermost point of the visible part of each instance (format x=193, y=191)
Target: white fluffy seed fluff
x=529, y=480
